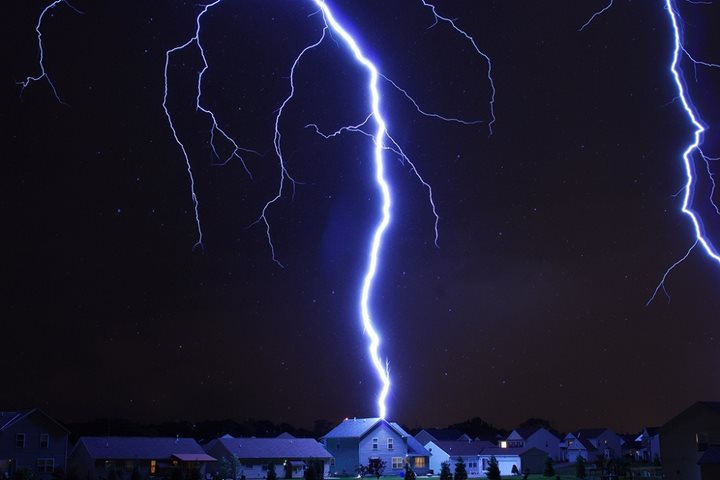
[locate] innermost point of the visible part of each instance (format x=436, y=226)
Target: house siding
x=256, y=468
x=382, y=432
x=608, y=440
x=505, y=463
x=679, y=446
x=437, y=458
x=545, y=441
x=345, y=452
x=32, y=426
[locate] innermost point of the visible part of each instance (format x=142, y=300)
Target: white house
x=358, y=441
x=453, y=451
x=531, y=460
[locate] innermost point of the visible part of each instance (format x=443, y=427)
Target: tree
x=493, y=470
x=271, y=474
x=549, y=469
x=515, y=470
x=175, y=474
x=460, y=470
x=409, y=472
x=361, y=471
x=580, y=467
x=288, y=469
x=315, y=469
x=229, y=468
x=445, y=473
x=376, y=467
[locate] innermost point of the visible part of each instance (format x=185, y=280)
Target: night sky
x=554, y=231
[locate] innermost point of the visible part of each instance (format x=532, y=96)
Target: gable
x=33, y=416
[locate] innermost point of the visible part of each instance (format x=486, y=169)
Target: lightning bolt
x=693, y=148
x=373, y=126
x=41, y=49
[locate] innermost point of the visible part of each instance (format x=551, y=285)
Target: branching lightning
x=373, y=126
x=691, y=149
x=216, y=132
x=41, y=50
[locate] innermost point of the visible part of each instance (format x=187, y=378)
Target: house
x=690, y=443
x=649, y=445
x=440, y=434
x=356, y=441
x=530, y=460
x=477, y=454
x=537, y=437
x=572, y=447
x=631, y=446
x=32, y=440
x=96, y=458
x=591, y=443
x=256, y=455
x=453, y=451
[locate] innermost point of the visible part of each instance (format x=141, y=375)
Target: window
x=375, y=443
x=390, y=443
x=45, y=465
x=20, y=440
x=44, y=440
x=420, y=462
x=153, y=467
x=397, y=463
x=471, y=464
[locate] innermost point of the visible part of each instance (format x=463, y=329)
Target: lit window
x=397, y=463
x=20, y=440
x=44, y=440
x=503, y=444
x=153, y=467
x=375, y=443
x=45, y=465
x=390, y=443
x=420, y=462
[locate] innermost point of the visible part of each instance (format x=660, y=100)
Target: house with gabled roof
x=357, y=441
x=440, y=434
x=94, y=458
x=256, y=455
x=690, y=443
x=649, y=440
x=591, y=443
x=534, y=437
x=452, y=451
x=573, y=447
x=525, y=459
x=32, y=440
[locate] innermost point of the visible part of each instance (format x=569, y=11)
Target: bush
x=493, y=470
x=549, y=469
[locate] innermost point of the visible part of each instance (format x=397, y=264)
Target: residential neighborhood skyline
x=249, y=426
x=35, y=445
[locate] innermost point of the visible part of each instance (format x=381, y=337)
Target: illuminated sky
x=554, y=232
